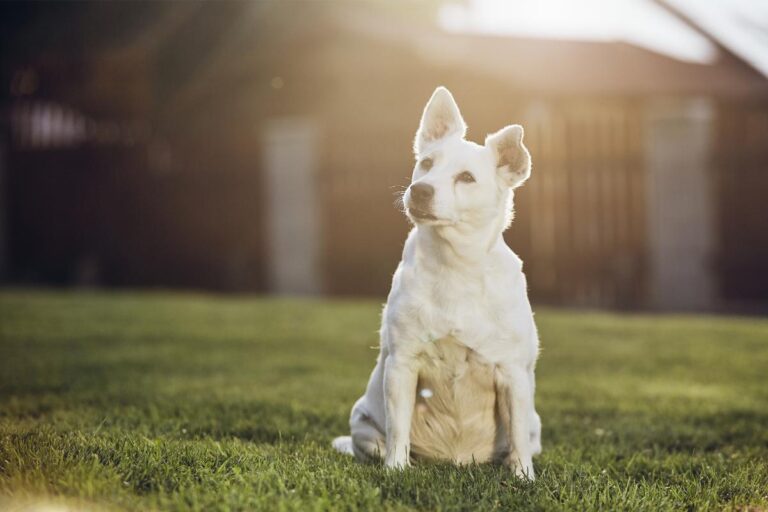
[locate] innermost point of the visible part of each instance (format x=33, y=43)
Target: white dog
x=455, y=375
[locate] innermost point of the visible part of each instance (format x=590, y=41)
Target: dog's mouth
x=420, y=214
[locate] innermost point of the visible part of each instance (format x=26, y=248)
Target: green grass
x=175, y=402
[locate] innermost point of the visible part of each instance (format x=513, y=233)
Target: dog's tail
x=343, y=445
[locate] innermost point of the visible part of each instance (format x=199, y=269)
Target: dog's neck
x=462, y=247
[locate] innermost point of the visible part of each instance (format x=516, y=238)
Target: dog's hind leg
x=535, y=419
x=368, y=441
x=535, y=433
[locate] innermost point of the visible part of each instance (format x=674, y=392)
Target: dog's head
x=456, y=181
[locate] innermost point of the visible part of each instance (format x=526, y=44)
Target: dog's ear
x=513, y=162
x=441, y=119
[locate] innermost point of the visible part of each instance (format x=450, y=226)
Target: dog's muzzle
x=420, y=201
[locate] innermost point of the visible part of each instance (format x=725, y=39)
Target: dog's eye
x=465, y=177
x=426, y=164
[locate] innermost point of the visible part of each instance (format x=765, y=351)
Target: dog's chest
x=472, y=313
x=454, y=415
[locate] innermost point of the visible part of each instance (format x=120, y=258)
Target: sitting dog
x=454, y=378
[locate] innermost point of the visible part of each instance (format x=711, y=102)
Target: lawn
x=179, y=401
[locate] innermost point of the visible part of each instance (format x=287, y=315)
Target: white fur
x=455, y=375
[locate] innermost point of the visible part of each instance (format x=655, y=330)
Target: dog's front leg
x=400, y=378
x=515, y=397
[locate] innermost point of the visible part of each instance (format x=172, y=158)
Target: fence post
x=292, y=212
x=681, y=218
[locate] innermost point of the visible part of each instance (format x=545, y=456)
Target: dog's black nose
x=421, y=192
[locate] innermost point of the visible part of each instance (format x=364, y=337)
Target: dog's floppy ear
x=513, y=162
x=441, y=119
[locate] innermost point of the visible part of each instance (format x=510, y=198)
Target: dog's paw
x=343, y=445
x=397, y=463
x=523, y=468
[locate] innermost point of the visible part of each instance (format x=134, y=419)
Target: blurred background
x=260, y=146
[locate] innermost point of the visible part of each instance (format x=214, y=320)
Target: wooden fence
x=581, y=221
x=741, y=179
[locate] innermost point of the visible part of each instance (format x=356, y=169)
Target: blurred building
x=261, y=147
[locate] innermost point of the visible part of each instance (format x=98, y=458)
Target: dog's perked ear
x=513, y=161
x=441, y=119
